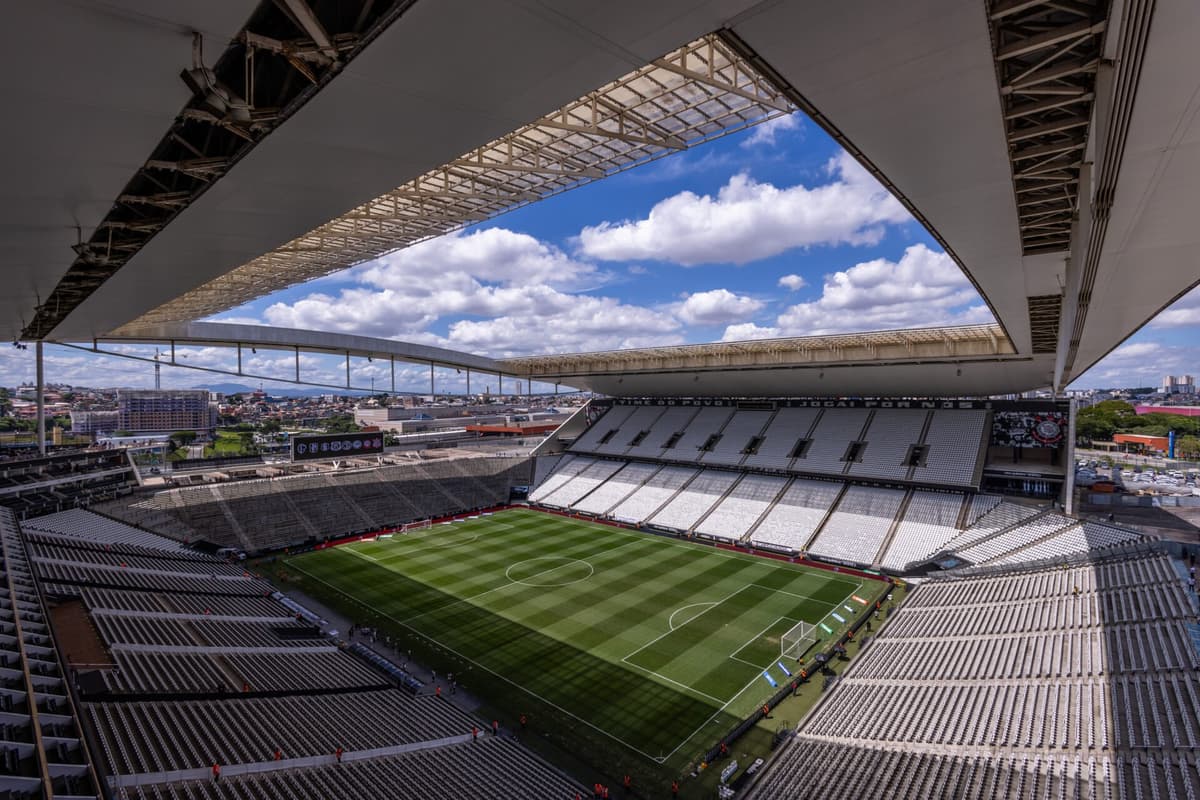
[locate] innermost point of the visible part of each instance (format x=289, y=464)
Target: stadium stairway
x=891, y=534
x=230, y=517
x=713, y=507
x=350, y=502
x=824, y=519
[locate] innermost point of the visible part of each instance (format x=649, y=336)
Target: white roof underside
x=913, y=86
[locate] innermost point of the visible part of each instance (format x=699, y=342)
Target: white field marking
x=708, y=721
x=671, y=619
x=566, y=561
x=809, y=598
x=511, y=582
x=689, y=622
x=512, y=683
x=758, y=636
x=684, y=686
x=693, y=547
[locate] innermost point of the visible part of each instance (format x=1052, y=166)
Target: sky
x=774, y=231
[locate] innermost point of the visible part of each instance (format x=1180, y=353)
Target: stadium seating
x=786, y=429
x=578, y=487
x=616, y=488
x=930, y=520
x=33, y=692
x=82, y=524
x=264, y=514
x=627, y=427
x=667, y=425
x=797, y=514
x=1031, y=682
x=693, y=501
x=734, y=516
x=858, y=525
x=705, y=425
x=835, y=430
x=950, y=438
x=743, y=426
x=493, y=768
x=889, y=439
x=607, y=425
x=651, y=495
x=207, y=666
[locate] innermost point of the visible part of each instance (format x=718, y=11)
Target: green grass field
x=648, y=642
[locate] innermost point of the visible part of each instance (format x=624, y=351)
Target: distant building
x=1138, y=443
x=86, y=423
x=1178, y=384
x=165, y=411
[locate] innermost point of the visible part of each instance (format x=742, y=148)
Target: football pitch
x=648, y=641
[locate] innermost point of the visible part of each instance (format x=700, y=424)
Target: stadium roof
x=1052, y=148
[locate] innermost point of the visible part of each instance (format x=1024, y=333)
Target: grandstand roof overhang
x=1002, y=124
x=966, y=360
x=220, y=334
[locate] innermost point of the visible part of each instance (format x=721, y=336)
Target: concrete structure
x=95, y=422
x=1050, y=148
x=1139, y=443
x=1178, y=384
x=166, y=411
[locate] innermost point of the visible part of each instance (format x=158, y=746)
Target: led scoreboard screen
x=336, y=445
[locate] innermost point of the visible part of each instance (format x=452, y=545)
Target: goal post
x=416, y=526
x=796, y=642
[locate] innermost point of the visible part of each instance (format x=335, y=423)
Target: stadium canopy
x=1052, y=148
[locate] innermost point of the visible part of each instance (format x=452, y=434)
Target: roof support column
x=393, y=360
x=239, y=351
x=297, y=364
x=347, y=369
x=431, y=387
x=468, y=382
x=41, y=400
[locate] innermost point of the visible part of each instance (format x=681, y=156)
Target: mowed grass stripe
x=611, y=697
x=566, y=644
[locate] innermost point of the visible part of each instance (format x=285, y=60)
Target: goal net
x=797, y=640
x=416, y=526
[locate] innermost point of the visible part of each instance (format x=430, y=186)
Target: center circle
x=549, y=571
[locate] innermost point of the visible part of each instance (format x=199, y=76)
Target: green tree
x=1101, y=421
x=183, y=438
x=1187, y=447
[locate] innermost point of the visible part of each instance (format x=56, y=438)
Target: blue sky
x=770, y=232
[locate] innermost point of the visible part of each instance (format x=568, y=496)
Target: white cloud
x=766, y=132
x=923, y=288
x=1141, y=363
x=792, y=282
x=748, y=330
x=716, y=307
x=1184, y=311
x=748, y=220
x=494, y=255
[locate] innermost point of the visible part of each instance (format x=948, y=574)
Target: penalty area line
x=510, y=682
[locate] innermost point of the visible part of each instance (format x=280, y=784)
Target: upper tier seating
x=835, y=430
x=954, y=439
x=783, y=434
x=889, y=439
x=741, y=428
